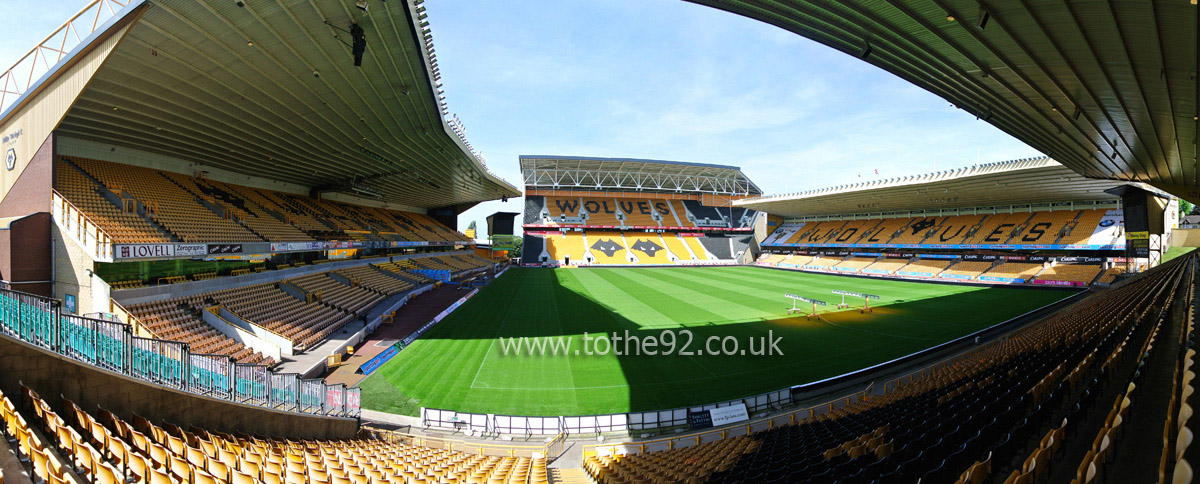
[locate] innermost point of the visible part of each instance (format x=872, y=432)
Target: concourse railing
x=113, y=346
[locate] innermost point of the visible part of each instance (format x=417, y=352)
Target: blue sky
x=666, y=79
x=661, y=79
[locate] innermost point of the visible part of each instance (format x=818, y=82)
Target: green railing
x=111, y=345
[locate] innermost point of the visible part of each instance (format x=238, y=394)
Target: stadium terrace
x=230, y=253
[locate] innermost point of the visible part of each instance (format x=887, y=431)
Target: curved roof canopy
x=551, y=172
x=270, y=89
x=1017, y=182
x=1107, y=88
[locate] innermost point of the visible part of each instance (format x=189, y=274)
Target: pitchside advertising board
x=165, y=251
x=717, y=417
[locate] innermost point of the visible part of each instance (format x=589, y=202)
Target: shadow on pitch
x=625, y=366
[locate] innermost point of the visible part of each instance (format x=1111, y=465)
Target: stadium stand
x=637, y=212
x=1044, y=227
x=797, y=260
x=1084, y=224
x=564, y=209
x=814, y=232
x=174, y=320
x=403, y=269
x=698, y=250
x=702, y=460
x=703, y=215
x=854, y=264
x=325, y=288
x=1069, y=227
x=954, y=230
x=123, y=226
x=852, y=231
x=370, y=277
x=770, y=259
x=682, y=220
x=888, y=266
x=720, y=247
x=648, y=248
x=932, y=267
x=535, y=207
x=179, y=212
x=531, y=248
x=304, y=323
x=677, y=246
x=65, y=440
x=433, y=263
x=884, y=231
x=1003, y=412
x=918, y=230
x=822, y=262
x=566, y=246
x=996, y=228
x=244, y=209
x=601, y=211
x=607, y=248
x=1015, y=270
x=141, y=205
x=782, y=234
x=972, y=269
x=1110, y=275
x=1083, y=273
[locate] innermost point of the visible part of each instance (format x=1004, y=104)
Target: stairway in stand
x=573, y=475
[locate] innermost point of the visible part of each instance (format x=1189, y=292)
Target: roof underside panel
x=582, y=172
x=1107, y=88
x=1024, y=182
x=270, y=90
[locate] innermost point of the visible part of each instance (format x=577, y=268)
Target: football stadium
x=230, y=252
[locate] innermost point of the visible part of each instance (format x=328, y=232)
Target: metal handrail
x=103, y=240
x=113, y=346
x=698, y=438
x=462, y=445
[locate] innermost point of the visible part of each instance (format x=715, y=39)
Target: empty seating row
x=1084, y=273
x=1070, y=227
x=195, y=209
x=172, y=320
x=374, y=279
x=103, y=448
x=123, y=226
x=328, y=290
x=1006, y=408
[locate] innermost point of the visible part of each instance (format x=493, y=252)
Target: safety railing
x=477, y=448
x=113, y=346
x=76, y=224
x=123, y=314
x=787, y=418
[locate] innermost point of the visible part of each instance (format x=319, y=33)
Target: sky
x=661, y=79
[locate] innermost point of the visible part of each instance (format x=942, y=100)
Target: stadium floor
x=468, y=362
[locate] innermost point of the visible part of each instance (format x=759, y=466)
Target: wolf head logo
x=923, y=225
x=646, y=246
x=607, y=246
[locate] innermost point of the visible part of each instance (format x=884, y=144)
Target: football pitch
x=470, y=362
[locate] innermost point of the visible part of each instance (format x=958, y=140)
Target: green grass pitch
x=460, y=363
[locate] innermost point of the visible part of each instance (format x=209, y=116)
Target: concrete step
x=572, y=475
